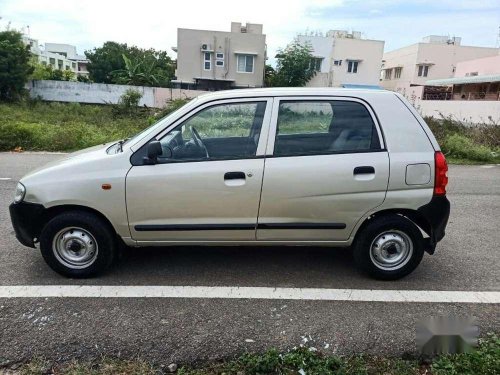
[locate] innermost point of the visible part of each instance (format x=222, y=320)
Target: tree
x=44, y=71
x=41, y=71
x=269, y=76
x=142, y=72
x=15, y=65
x=104, y=60
x=294, y=66
x=119, y=63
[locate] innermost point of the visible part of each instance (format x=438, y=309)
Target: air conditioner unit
x=206, y=47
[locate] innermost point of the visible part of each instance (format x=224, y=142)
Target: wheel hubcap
x=76, y=248
x=391, y=250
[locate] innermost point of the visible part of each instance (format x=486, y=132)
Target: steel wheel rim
x=75, y=247
x=391, y=250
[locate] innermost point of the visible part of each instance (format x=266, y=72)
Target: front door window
x=220, y=132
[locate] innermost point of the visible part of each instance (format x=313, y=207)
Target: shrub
x=34, y=125
x=483, y=134
x=83, y=78
x=130, y=99
x=485, y=360
x=461, y=147
x=171, y=107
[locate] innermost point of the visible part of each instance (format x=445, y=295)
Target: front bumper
x=436, y=213
x=27, y=221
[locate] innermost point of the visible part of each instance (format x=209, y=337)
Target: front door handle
x=364, y=170
x=234, y=176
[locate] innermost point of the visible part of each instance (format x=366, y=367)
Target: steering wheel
x=197, y=140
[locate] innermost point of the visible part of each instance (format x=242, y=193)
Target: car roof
x=292, y=91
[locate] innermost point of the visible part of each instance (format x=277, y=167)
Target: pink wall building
x=483, y=66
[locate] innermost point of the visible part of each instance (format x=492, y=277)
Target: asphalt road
x=185, y=330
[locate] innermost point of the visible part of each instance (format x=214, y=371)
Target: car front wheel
x=389, y=247
x=78, y=244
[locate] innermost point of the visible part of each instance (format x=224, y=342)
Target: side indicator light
x=106, y=186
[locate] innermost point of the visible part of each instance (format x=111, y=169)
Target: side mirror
x=153, y=150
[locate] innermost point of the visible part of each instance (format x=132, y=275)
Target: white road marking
x=317, y=294
x=5, y=178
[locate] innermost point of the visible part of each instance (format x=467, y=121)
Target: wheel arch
x=53, y=211
x=414, y=216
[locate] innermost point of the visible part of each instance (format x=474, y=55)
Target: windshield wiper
x=120, y=144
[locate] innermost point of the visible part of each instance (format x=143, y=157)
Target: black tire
x=99, y=229
x=372, y=231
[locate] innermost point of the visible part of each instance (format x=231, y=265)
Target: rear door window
x=323, y=127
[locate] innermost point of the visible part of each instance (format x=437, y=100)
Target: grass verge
x=485, y=360
x=41, y=126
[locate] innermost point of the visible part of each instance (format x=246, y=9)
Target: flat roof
x=463, y=80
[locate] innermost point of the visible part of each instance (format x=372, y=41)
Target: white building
x=59, y=56
x=407, y=69
x=70, y=53
x=215, y=60
x=344, y=58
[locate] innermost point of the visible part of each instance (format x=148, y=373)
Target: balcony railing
x=462, y=96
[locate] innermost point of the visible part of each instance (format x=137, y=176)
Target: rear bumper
x=436, y=213
x=27, y=221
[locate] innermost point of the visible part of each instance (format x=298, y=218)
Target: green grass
x=40, y=126
x=485, y=360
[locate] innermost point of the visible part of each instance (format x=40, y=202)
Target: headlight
x=20, y=193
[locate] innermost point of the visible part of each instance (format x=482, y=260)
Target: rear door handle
x=234, y=176
x=364, y=170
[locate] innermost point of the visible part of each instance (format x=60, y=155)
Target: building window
x=52, y=61
x=245, y=64
x=316, y=63
x=337, y=62
x=219, y=59
x=66, y=67
x=352, y=67
x=388, y=73
x=397, y=72
x=423, y=70
x=207, y=61
x=73, y=65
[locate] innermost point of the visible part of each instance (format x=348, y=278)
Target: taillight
x=441, y=170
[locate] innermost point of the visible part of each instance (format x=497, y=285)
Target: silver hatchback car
x=322, y=167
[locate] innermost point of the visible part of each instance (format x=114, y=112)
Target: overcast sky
x=148, y=23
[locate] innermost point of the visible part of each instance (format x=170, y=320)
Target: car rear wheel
x=389, y=247
x=78, y=244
